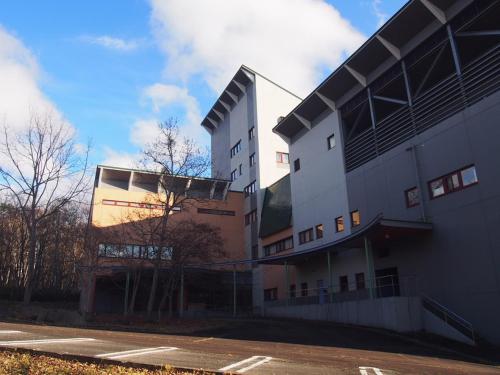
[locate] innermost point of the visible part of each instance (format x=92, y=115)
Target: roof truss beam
x=436, y=11
x=395, y=51
x=219, y=114
x=305, y=122
x=232, y=96
x=479, y=33
x=213, y=122
x=240, y=86
x=358, y=76
x=330, y=103
x=390, y=100
x=225, y=105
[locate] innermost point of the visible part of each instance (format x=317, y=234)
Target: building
x=246, y=151
x=395, y=182
x=124, y=199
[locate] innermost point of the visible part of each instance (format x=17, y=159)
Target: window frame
x=250, y=189
x=449, y=177
x=251, y=160
x=352, y=218
x=337, y=224
x=235, y=149
x=251, y=133
x=304, y=234
x=328, y=143
x=280, y=157
x=408, y=204
x=319, y=231
x=250, y=217
x=296, y=165
x=344, y=286
x=234, y=175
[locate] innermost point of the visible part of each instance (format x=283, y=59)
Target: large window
x=279, y=246
x=282, y=157
x=250, y=189
x=306, y=236
x=236, y=148
x=134, y=251
x=339, y=224
x=452, y=182
x=412, y=198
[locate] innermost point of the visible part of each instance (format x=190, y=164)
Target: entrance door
x=387, y=282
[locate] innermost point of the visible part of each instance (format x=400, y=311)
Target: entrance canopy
x=380, y=231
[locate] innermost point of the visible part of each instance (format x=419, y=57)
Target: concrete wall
x=460, y=265
x=319, y=193
x=401, y=314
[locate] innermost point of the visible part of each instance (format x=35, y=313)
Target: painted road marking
x=136, y=352
x=364, y=370
x=44, y=341
x=260, y=361
x=7, y=332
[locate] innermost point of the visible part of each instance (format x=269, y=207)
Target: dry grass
x=31, y=364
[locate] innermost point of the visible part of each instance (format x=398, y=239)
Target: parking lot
x=268, y=347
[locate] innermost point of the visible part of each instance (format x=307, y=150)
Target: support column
x=125, y=300
x=234, y=290
x=181, y=298
x=287, y=284
x=370, y=268
x=330, y=276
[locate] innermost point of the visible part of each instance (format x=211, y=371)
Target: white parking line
x=364, y=370
x=260, y=361
x=136, y=352
x=7, y=332
x=44, y=341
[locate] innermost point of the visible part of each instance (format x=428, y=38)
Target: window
x=251, y=217
x=252, y=159
x=303, y=290
x=339, y=224
x=271, y=294
x=250, y=189
x=251, y=133
x=452, y=182
x=134, y=251
x=236, y=148
x=344, y=283
x=240, y=169
x=282, y=157
x=306, y=236
x=412, y=198
x=293, y=292
x=355, y=218
x=278, y=246
x=234, y=175
x=319, y=231
x=211, y=211
x=360, y=281
x=330, y=141
x=296, y=165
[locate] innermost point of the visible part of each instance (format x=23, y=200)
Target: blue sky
x=113, y=68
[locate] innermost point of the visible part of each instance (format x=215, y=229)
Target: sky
x=113, y=69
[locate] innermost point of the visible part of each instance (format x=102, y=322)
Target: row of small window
x=271, y=294
x=279, y=246
x=236, y=173
x=251, y=217
x=237, y=147
x=250, y=189
x=308, y=234
x=134, y=251
x=444, y=185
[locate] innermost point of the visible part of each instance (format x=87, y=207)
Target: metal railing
x=384, y=286
x=449, y=317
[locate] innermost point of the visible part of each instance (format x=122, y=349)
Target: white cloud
x=20, y=92
x=113, y=43
x=378, y=12
x=168, y=96
x=290, y=41
x=120, y=159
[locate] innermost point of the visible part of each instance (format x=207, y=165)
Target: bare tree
x=178, y=160
x=43, y=172
x=191, y=243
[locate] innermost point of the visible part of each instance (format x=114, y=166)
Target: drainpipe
x=413, y=150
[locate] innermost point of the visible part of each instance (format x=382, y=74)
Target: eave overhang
x=388, y=45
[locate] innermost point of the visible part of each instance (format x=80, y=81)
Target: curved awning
x=380, y=231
